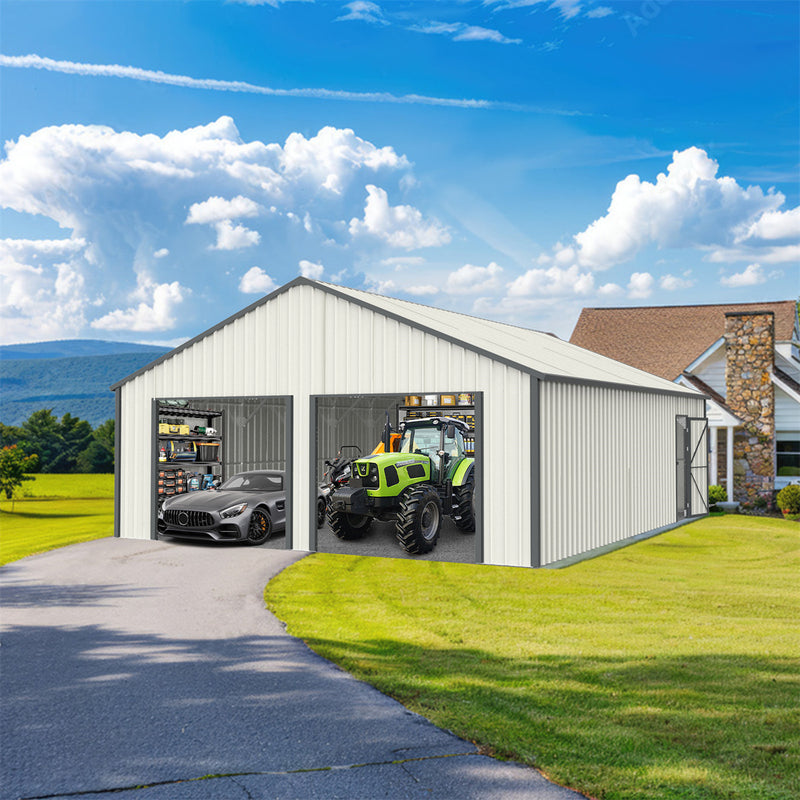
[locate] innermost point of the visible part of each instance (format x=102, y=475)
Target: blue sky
x=167, y=163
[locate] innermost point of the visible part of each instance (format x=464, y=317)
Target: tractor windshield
x=427, y=440
x=420, y=440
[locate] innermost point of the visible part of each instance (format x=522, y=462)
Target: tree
x=9, y=434
x=41, y=434
x=99, y=455
x=13, y=466
x=76, y=435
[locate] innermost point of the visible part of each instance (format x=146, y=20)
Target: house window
x=787, y=455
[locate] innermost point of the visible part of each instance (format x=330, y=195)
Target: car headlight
x=233, y=511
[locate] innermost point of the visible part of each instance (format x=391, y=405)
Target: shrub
x=788, y=499
x=717, y=494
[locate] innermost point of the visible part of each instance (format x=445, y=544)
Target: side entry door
x=691, y=445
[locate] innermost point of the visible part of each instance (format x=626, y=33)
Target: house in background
x=744, y=357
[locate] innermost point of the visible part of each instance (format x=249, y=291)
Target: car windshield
x=254, y=482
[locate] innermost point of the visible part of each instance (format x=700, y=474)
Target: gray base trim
x=535, y=466
x=608, y=548
x=117, y=459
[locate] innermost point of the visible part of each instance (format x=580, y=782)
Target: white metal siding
x=531, y=349
x=307, y=341
x=607, y=464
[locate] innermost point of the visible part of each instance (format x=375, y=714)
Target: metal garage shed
x=574, y=452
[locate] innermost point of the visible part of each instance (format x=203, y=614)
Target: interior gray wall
x=355, y=420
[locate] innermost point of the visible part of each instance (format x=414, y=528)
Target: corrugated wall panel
x=607, y=465
x=307, y=342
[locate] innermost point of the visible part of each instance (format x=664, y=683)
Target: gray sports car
x=249, y=507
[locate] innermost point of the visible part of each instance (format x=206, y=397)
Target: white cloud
x=399, y=226
x=217, y=209
x=399, y=263
x=774, y=225
x=155, y=311
x=751, y=276
x=783, y=254
x=552, y=282
x=599, y=12
x=640, y=285
x=687, y=207
x=421, y=291
x=234, y=237
x=461, y=32
x=567, y=8
x=363, y=11
x=308, y=269
x=256, y=281
x=672, y=282
x=273, y=3
x=470, y=279
x=43, y=293
x=130, y=200
x=610, y=290
x=211, y=84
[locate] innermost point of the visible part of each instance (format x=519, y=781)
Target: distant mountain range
x=70, y=375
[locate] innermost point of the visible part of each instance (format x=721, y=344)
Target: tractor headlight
x=233, y=511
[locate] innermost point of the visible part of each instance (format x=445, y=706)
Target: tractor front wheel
x=348, y=526
x=419, y=520
x=464, y=507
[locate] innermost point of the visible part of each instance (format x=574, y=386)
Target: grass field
x=58, y=510
x=77, y=485
x=668, y=669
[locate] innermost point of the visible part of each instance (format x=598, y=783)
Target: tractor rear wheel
x=419, y=520
x=348, y=526
x=464, y=507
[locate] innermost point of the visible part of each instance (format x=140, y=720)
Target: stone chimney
x=749, y=360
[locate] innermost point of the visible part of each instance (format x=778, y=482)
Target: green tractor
x=430, y=476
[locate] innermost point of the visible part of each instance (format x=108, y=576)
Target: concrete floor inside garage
x=453, y=544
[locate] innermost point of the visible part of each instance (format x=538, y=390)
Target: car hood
x=213, y=500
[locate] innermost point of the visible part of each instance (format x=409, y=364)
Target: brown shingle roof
x=664, y=340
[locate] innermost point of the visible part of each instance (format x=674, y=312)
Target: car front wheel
x=260, y=528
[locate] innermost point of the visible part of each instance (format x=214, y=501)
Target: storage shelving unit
x=175, y=474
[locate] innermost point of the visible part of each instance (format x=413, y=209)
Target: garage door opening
x=222, y=471
x=401, y=475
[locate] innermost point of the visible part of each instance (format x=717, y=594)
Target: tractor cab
x=439, y=438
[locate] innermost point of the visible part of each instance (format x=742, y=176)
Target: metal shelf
x=172, y=464
x=194, y=437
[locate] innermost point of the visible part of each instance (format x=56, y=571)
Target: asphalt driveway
x=152, y=671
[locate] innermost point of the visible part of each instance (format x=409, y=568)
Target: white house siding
x=607, y=464
x=712, y=371
x=787, y=412
x=307, y=342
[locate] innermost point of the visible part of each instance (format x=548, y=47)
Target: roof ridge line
x=436, y=308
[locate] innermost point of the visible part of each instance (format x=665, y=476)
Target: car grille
x=188, y=519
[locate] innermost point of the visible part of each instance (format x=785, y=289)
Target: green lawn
x=63, y=486
x=58, y=510
x=668, y=669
